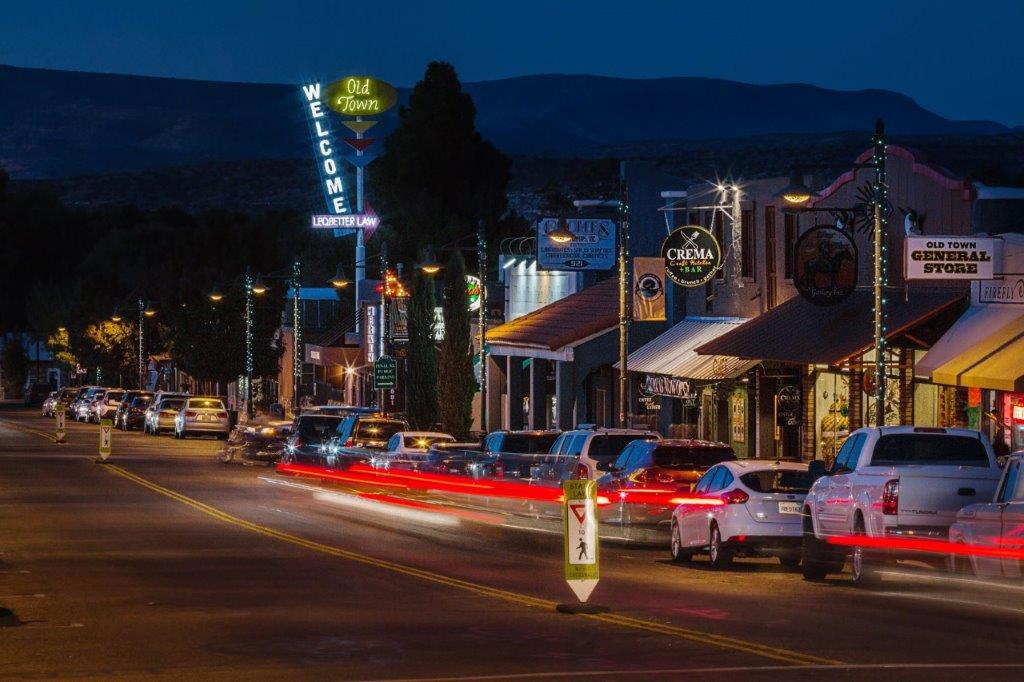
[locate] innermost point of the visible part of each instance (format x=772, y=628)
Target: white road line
x=951, y=601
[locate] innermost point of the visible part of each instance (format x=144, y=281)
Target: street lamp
x=429, y=265
x=561, y=234
x=116, y=317
x=340, y=281
x=796, y=194
x=145, y=310
x=215, y=295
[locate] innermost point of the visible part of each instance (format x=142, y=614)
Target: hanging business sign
x=670, y=387
x=370, y=331
x=825, y=265
x=360, y=96
x=649, y=289
x=692, y=255
x=787, y=406
x=1007, y=291
x=592, y=246
x=320, y=131
x=398, y=319
x=962, y=258
x=473, y=291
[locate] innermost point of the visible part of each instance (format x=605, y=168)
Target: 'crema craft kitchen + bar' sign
x=949, y=258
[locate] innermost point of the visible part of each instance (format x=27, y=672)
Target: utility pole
x=623, y=306
x=142, y=362
x=880, y=201
x=248, y=344
x=297, y=353
x=481, y=256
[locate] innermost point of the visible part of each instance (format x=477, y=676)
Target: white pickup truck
x=892, y=482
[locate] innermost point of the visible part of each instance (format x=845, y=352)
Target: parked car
x=124, y=407
x=743, y=508
x=309, y=435
x=358, y=436
x=411, y=450
x=997, y=525
x=676, y=463
x=132, y=412
x=892, y=482
x=508, y=454
x=50, y=403
x=161, y=414
x=105, y=407
x=586, y=452
x=340, y=410
x=261, y=440
x=65, y=397
x=83, y=412
x=77, y=400
x=202, y=414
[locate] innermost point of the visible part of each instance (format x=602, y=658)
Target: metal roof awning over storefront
x=995, y=361
x=552, y=331
x=673, y=353
x=976, y=325
x=799, y=332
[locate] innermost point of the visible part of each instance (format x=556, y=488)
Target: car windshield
x=424, y=442
x=681, y=457
x=206, y=403
x=778, y=481
x=377, y=429
x=528, y=444
x=605, y=448
x=317, y=427
x=929, y=448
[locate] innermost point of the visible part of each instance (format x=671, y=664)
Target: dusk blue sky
x=959, y=59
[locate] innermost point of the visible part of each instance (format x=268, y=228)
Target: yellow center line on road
x=720, y=641
x=24, y=429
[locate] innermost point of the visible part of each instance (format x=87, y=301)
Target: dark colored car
x=510, y=454
x=359, y=436
x=309, y=435
x=665, y=463
x=134, y=415
x=261, y=440
x=121, y=416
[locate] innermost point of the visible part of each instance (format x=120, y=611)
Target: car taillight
x=499, y=469
x=736, y=496
x=190, y=414
x=891, y=497
x=442, y=468
x=582, y=472
x=222, y=415
x=348, y=442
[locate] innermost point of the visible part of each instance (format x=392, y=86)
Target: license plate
x=203, y=417
x=789, y=507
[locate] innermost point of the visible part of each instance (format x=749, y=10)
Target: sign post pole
x=581, y=550
x=106, y=434
x=61, y=430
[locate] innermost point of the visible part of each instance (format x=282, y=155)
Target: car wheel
x=814, y=555
x=959, y=565
x=719, y=556
x=790, y=560
x=865, y=568
x=679, y=555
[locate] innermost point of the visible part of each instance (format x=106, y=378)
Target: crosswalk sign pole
x=581, y=548
x=106, y=434
x=61, y=431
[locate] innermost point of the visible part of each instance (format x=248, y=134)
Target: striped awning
x=673, y=354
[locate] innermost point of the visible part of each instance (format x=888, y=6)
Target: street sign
x=106, y=433
x=581, y=548
x=385, y=372
x=61, y=411
x=592, y=246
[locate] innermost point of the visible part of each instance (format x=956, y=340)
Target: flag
x=649, y=289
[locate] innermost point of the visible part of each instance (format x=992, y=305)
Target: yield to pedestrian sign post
x=581, y=550
x=106, y=431
x=62, y=430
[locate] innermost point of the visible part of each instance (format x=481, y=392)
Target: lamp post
x=481, y=269
x=623, y=307
x=297, y=354
x=144, y=312
x=796, y=194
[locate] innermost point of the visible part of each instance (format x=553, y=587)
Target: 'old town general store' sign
x=949, y=258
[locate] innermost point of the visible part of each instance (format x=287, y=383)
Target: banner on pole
x=579, y=516
x=649, y=289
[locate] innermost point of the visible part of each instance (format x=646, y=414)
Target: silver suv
x=587, y=452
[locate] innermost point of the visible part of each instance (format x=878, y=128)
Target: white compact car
x=409, y=450
x=743, y=507
x=202, y=415
x=996, y=528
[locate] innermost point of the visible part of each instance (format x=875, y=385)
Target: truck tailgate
x=932, y=495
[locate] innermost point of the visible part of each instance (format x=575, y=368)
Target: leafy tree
x=15, y=366
x=422, y=376
x=456, y=383
x=437, y=176
x=111, y=346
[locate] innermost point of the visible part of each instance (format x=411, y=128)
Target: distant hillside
x=56, y=124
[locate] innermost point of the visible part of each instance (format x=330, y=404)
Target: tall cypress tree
x=456, y=384
x=422, y=375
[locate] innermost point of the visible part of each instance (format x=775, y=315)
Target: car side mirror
x=817, y=469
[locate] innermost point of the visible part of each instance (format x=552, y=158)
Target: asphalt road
x=167, y=563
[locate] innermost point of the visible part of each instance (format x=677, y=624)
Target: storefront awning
x=996, y=362
x=799, y=332
x=673, y=354
x=973, y=327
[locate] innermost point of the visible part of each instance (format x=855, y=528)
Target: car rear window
x=377, y=429
x=317, y=427
x=143, y=400
x=676, y=457
x=424, y=442
x=206, y=403
x=171, y=404
x=528, y=445
x=929, y=448
x=605, y=448
x=778, y=481
x=115, y=395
